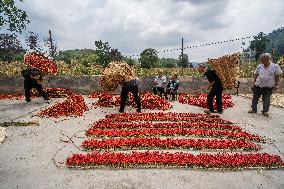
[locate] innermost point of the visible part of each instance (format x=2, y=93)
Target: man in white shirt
x=266, y=80
x=160, y=83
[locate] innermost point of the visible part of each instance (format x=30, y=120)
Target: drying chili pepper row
x=149, y=132
x=164, y=118
x=161, y=114
x=169, y=143
x=186, y=160
x=165, y=125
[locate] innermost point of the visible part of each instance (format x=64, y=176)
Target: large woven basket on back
x=115, y=73
x=227, y=68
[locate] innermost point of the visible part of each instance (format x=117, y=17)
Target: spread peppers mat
x=139, y=140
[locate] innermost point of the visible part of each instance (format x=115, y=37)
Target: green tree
x=168, y=62
x=280, y=48
x=10, y=48
x=276, y=44
x=259, y=44
x=89, y=60
x=14, y=18
x=130, y=61
x=85, y=56
x=102, y=51
x=184, y=62
x=149, y=58
x=115, y=55
x=32, y=41
x=65, y=56
x=106, y=54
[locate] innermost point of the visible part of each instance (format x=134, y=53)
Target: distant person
x=160, y=83
x=32, y=79
x=215, y=87
x=129, y=84
x=172, y=87
x=266, y=80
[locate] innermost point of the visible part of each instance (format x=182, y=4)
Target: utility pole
x=182, y=56
x=52, y=47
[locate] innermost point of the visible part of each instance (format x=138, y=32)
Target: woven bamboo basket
x=114, y=74
x=227, y=68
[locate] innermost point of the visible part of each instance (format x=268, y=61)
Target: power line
x=213, y=43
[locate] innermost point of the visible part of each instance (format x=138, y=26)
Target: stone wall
x=89, y=84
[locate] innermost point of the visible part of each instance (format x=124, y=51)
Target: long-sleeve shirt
x=26, y=74
x=213, y=77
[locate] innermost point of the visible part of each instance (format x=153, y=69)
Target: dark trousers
x=28, y=85
x=161, y=90
x=215, y=91
x=130, y=86
x=172, y=93
x=266, y=93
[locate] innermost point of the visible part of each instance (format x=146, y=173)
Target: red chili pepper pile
x=11, y=97
x=97, y=94
x=54, y=92
x=178, y=159
x=74, y=105
x=40, y=62
x=148, y=101
x=201, y=100
x=151, y=101
x=143, y=131
x=106, y=100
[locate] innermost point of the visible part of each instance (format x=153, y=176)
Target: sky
x=134, y=25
